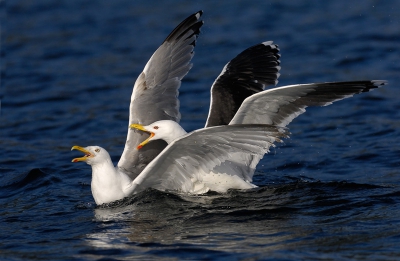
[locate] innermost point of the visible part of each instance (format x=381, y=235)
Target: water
x=331, y=192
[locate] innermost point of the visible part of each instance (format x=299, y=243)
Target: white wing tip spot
x=266, y=43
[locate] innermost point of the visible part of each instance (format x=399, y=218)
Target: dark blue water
x=331, y=192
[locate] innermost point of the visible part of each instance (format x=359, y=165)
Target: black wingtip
x=190, y=23
x=262, y=61
x=373, y=84
x=199, y=13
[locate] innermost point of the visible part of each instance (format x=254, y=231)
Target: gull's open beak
x=84, y=158
x=142, y=128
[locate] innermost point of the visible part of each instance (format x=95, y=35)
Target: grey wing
x=279, y=106
x=155, y=93
x=189, y=158
x=248, y=73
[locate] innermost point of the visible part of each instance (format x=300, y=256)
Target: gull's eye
x=155, y=127
x=97, y=150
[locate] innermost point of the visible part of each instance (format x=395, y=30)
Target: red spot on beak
x=139, y=147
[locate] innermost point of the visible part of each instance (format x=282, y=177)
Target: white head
x=107, y=183
x=93, y=155
x=165, y=130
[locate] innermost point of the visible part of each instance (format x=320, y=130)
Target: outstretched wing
x=155, y=93
x=248, y=73
x=188, y=160
x=279, y=106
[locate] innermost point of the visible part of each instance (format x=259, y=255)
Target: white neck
x=108, y=183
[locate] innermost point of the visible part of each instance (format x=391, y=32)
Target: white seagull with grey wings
x=215, y=158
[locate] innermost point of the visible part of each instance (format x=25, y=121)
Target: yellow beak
x=84, y=158
x=141, y=127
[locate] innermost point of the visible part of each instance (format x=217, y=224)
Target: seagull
x=244, y=121
x=216, y=158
